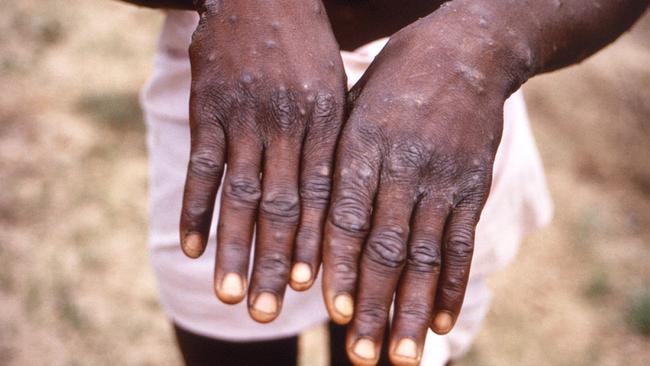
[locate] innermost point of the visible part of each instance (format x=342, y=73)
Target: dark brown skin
x=413, y=162
x=272, y=104
x=354, y=22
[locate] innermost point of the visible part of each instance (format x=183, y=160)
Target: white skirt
x=518, y=203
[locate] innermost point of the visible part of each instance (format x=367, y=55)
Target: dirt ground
x=75, y=284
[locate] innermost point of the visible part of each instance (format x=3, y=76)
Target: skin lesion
x=348, y=216
x=388, y=246
x=243, y=190
x=285, y=109
x=281, y=206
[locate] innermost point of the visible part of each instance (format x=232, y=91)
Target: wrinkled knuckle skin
x=371, y=313
x=474, y=187
x=453, y=289
x=234, y=251
x=473, y=200
x=443, y=170
x=424, y=256
x=326, y=108
x=285, y=110
x=196, y=215
x=243, y=190
x=345, y=270
x=407, y=160
x=308, y=238
x=273, y=270
x=209, y=104
x=367, y=136
x=458, y=254
x=387, y=247
x=349, y=215
x=205, y=166
x=414, y=313
x=460, y=244
x=315, y=191
x=281, y=206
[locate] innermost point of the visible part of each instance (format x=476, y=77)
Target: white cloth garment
x=518, y=203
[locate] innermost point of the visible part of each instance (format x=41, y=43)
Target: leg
x=203, y=351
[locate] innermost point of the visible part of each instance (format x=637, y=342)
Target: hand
x=267, y=99
x=413, y=171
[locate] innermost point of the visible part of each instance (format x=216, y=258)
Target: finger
x=382, y=261
x=239, y=201
x=277, y=222
x=315, y=182
x=204, y=173
x=417, y=287
x=348, y=221
x=279, y=210
x=456, y=261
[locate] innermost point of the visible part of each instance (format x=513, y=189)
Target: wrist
x=480, y=37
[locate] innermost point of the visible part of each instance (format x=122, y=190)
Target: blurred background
x=75, y=283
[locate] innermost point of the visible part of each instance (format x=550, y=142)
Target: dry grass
x=75, y=285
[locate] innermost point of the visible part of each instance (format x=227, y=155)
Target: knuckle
x=285, y=109
x=209, y=101
x=366, y=135
x=387, y=247
x=372, y=313
x=244, y=190
x=281, y=205
x=473, y=200
x=234, y=250
x=246, y=89
x=325, y=107
x=407, y=159
x=315, y=191
x=442, y=169
x=308, y=237
x=273, y=263
x=359, y=177
x=453, y=288
x=425, y=256
x=273, y=269
x=345, y=270
x=415, y=313
x=205, y=165
x=349, y=215
x=195, y=214
x=461, y=242
x=475, y=186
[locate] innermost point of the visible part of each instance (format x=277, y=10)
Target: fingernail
x=443, y=322
x=265, y=306
x=193, y=245
x=232, y=286
x=365, y=348
x=406, y=348
x=343, y=305
x=301, y=273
